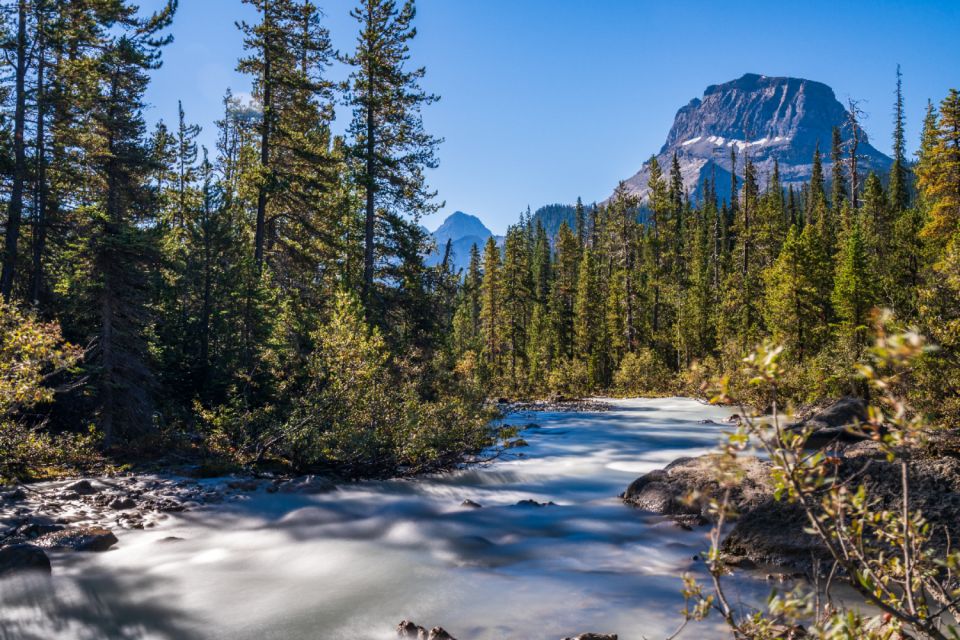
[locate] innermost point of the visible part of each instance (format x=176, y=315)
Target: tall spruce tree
x=389, y=147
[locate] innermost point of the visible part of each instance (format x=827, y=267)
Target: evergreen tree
x=389, y=147
x=938, y=172
x=853, y=295
x=899, y=173
x=492, y=324
x=792, y=310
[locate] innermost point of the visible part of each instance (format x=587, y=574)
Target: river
x=352, y=563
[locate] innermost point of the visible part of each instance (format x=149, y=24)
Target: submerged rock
x=122, y=504
x=412, y=631
x=308, y=485
x=79, y=539
x=594, y=636
x=21, y=558
x=534, y=503
x=407, y=629
x=470, y=504
x=82, y=488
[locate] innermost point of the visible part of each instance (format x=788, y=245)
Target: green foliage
x=889, y=556
x=32, y=353
x=642, y=373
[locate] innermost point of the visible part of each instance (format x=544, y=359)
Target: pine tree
x=792, y=310
x=15, y=205
x=580, y=222
x=517, y=300
x=589, y=336
x=938, y=172
x=899, y=173
x=563, y=290
x=492, y=325
x=121, y=243
x=853, y=294
x=389, y=146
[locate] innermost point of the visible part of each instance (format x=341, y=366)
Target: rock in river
x=308, y=485
x=684, y=488
x=19, y=558
x=82, y=488
x=79, y=539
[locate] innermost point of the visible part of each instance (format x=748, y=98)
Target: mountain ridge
x=770, y=118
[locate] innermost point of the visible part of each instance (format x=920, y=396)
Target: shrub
x=642, y=373
x=32, y=353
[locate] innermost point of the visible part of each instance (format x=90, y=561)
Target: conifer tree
x=938, y=172
x=492, y=325
x=792, y=310
x=899, y=173
x=853, y=290
x=389, y=148
x=563, y=290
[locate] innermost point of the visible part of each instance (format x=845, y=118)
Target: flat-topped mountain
x=764, y=117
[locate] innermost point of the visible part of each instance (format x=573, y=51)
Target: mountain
x=461, y=225
x=464, y=231
x=768, y=118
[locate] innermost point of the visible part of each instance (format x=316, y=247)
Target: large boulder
x=684, y=488
x=23, y=558
x=832, y=423
x=772, y=533
x=78, y=539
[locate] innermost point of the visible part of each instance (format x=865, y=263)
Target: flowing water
x=352, y=563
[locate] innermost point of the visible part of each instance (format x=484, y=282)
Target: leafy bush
x=642, y=373
x=31, y=354
x=364, y=415
x=891, y=557
x=570, y=378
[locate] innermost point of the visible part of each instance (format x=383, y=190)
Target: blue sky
x=547, y=100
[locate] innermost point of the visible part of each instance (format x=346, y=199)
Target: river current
x=350, y=564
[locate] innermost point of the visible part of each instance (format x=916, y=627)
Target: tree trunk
x=369, y=226
x=264, y=145
x=40, y=215
x=15, y=210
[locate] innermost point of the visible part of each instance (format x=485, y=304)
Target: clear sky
x=547, y=100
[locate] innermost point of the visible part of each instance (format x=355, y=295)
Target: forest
x=664, y=295
x=267, y=301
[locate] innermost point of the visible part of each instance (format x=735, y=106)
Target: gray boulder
x=78, y=539
x=831, y=423
x=22, y=558
x=684, y=488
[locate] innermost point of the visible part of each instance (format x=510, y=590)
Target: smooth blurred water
x=352, y=563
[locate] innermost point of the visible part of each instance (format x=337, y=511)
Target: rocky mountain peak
x=768, y=118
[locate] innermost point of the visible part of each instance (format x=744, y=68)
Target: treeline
x=662, y=295
x=266, y=298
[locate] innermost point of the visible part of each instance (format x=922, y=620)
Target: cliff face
x=766, y=118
